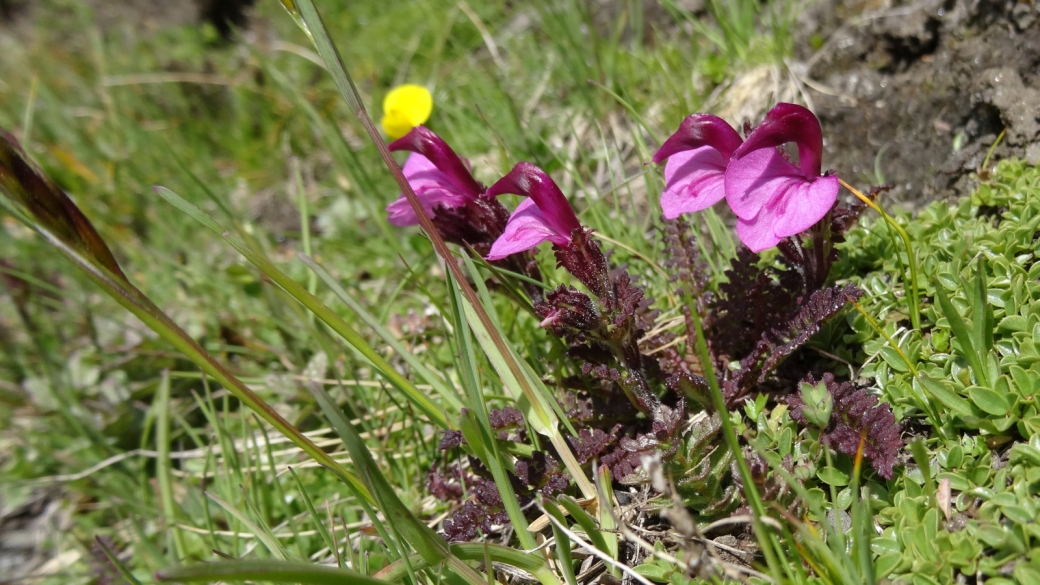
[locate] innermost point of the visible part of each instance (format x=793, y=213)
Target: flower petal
x=530, y=181
x=755, y=179
x=804, y=204
x=757, y=233
x=527, y=228
x=694, y=180
x=798, y=206
x=431, y=186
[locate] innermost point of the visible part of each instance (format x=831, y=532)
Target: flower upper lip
x=788, y=123
x=772, y=197
x=422, y=140
x=697, y=155
x=699, y=130
x=545, y=215
x=438, y=176
x=530, y=181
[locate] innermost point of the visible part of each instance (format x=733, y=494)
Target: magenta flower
x=697, y=156
x=437, y=175
x=545, y=216
x=772, y=197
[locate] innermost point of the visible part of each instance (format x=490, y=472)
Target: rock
x=1019, y=105
x=920, y=91
x=1033, y=154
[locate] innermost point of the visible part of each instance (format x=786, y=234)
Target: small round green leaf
x=833, y=476
x=988, y=401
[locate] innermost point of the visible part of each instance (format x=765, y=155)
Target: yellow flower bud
x=404, y=108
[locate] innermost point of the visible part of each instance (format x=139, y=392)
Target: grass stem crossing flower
x=437, y=175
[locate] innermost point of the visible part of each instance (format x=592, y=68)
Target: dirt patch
x=919, y=91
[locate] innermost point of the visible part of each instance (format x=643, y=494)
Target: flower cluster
x=462, y=209
x=630, y=401
x=772, y=197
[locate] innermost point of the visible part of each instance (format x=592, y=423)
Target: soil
x=921, y=90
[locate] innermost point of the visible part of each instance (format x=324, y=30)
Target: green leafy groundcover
x=974, y=511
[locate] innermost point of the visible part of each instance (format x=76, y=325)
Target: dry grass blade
x=53, y=212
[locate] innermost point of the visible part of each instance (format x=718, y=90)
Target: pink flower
x=545, y=216
x=772, y=197
x=437, y=175
x=697, y=156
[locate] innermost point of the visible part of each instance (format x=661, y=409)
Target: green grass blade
x=861, y=522
x=312, y=303
x=563, y=542
x=963, y=336
x=431, y=378
x=426, y=542
x=119, y=566
x=607, y=521
x=543, y=412
x=981, y=313
x=40, y=204
x=530, y=562
x=265, y=570
x=308, y=13
x=162, y=462
x=315, y=28
x=767, y=539
x=325, y=536
x=478, y=423
x=478, y=437
x=263, y=533
x=921, y=458
x=943, y=393
x=587, y=523
x=541, y=418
